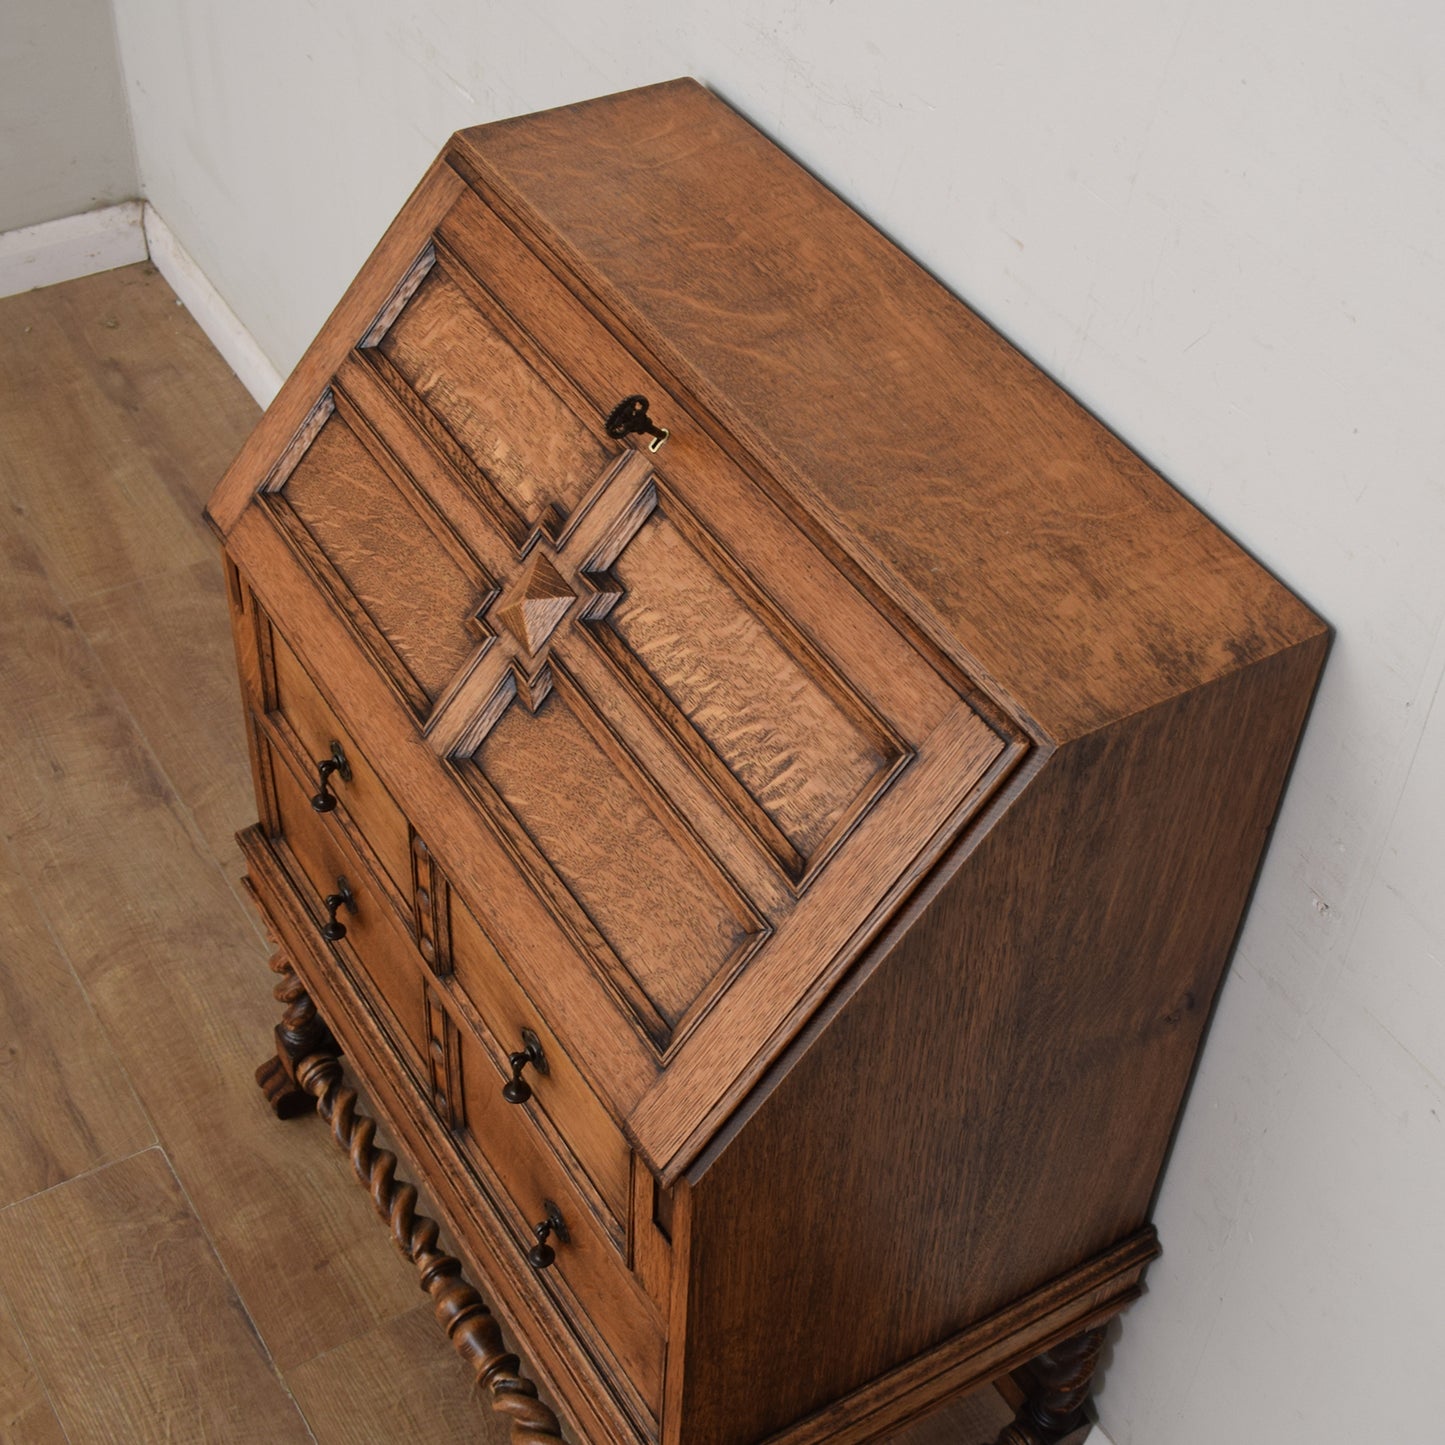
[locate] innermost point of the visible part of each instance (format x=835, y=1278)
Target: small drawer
x=361, y=800
x=605, y=1303
x=374, y=952
x=556, y=1088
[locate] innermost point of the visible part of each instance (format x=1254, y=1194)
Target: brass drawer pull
x=325, y=799
x=333, y=930
x=630, y=415
x=517, y=1090
x=542, y=1255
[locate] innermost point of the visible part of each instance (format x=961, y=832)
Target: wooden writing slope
x=759, y=784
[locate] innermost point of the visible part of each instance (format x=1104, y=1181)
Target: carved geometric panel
x=798, y=745
x=506, y=417
x=393, y=563
x=673, y=921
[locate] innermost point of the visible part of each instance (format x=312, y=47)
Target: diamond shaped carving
x=534, y=605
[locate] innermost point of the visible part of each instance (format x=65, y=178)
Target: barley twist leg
x=460, y=1311
x=1055, y=1405
x=300, y=1032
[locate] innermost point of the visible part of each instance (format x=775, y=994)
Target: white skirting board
x=1096, y=1436
x=226, y=333
x=71, y=247
x=76, y=246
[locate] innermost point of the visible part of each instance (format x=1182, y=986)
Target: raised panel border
x=569, y=910
x=798, y=871
x=335, y=405
x=440, y=259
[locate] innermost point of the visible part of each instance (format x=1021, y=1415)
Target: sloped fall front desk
x=758, y=786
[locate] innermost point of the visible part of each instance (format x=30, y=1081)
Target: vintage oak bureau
x=757, y=784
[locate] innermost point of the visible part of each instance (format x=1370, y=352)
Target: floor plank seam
x=40, y=1379
x=241, y=1304
x=84, y=1174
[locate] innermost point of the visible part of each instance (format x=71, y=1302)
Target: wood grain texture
x=723, y=1042
x=970, y=1421
x=589, y=1277
x=519, y=922
x=394, y=564
x=731, y=1049
x=157, y=923
x=355, y=313
x=100, y=385
x=165, y=648
x=993, y=504
x=148, y=1341
x=364, y=807
x=671, y=924
x=374, y=950
x=517, y=429
x=488, y=1248
x=801, y=758
x=990, y=1349
x=1059, y=1384
x=26, y=1416
x=396, y=1382
x=865, y=788
x=1038, y=1006
x=561, y=1096
x=161, y=643
x=66, y=1105
x=458, y=1308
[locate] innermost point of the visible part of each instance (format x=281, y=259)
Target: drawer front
x=305, y=720
x=375, y=953
x=558, y=1091
x=608, y=1308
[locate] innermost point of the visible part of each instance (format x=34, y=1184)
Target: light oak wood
x=904, y=424
x=77, y=357
x=162, y=643
x=25, y=1411
x=148, y=1340
x=515, y=427
x=393, y=1383
x=66, y=1104
x=163, y=681
x=186, y=951
x=353, y=512
x=137, y=670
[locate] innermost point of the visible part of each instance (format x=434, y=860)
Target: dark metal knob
x=325, y=799
x=517, y=1090
x=542, y=1255
x=333, y=930
x=629, y=416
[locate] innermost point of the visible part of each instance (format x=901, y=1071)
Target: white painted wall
x=1219, y=225
x=65, y=141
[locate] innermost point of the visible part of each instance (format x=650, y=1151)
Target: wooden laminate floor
x=175, y=1265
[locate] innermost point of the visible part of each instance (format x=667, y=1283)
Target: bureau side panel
x=993, y=1103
